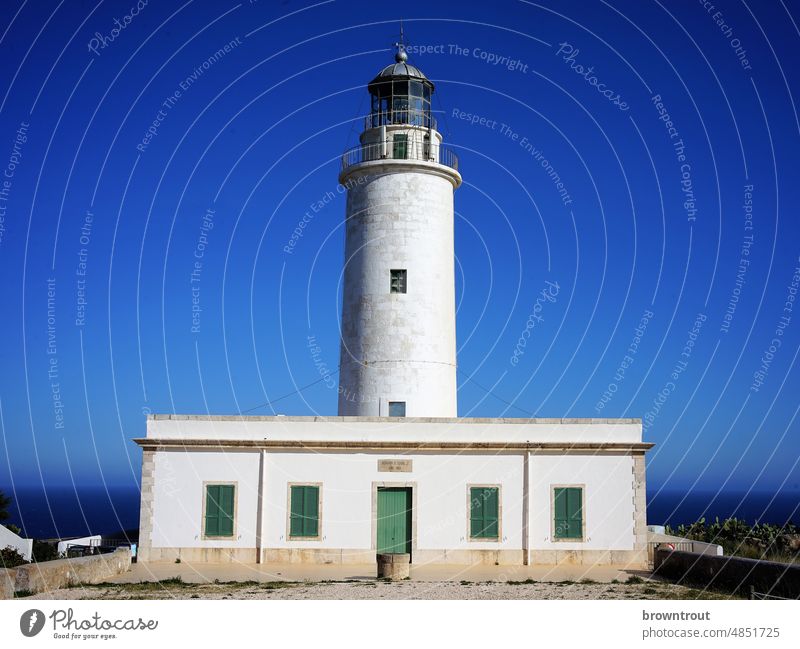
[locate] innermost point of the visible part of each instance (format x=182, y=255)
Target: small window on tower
x=397, y=408
x=398, y=280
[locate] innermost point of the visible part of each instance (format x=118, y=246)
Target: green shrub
x=738, y=538
x=10, y=558
x=43, y=551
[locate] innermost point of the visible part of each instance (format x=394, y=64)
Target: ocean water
x=67, y=512
x=61, y=512
x=674, y=507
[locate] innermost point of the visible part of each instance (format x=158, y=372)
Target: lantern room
x=400, y=94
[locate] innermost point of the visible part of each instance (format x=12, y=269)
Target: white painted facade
x=263, y=456
x=180, y=495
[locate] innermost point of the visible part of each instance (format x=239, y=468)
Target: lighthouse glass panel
x=397, y=408
x=415, y=104
x=401, y=101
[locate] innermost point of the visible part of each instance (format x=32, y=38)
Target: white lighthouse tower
x=398, y=353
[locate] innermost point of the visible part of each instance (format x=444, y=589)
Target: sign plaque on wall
x=394, y=466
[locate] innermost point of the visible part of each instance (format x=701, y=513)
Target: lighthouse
x=401, y=475
x=398, y=331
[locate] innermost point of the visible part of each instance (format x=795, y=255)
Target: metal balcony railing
x=413, y=151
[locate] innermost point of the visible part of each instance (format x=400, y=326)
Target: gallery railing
x=408, y=116
x=390, y=151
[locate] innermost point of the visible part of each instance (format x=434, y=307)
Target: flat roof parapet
x=410, y=420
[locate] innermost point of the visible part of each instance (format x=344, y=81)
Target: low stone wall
x=50, y=575
x=7, y=578
x=730, y=574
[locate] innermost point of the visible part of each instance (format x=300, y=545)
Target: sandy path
x=354, y=590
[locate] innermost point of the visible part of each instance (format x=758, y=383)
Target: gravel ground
x=172, y=589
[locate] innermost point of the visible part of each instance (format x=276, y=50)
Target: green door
x=394, y=520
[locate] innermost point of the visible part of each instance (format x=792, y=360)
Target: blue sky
x=136, y=153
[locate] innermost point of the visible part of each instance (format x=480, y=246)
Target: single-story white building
x=341, y=489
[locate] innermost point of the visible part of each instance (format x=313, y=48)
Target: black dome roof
x=400, y=69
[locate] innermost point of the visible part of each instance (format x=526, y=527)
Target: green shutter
x=475, y=513
x=311, y=511
x=484, y=513
x=226, y=506
x=212, y=510
x=491, y=507
x=304, y=511
x=568, y=512
x=296, y=516
x=220, y=503
x=575, y=512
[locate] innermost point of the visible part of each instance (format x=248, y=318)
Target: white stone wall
x=440, y=481
x=608, y=499
x=441, y=509
x=178, y=495
x=399, y=347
